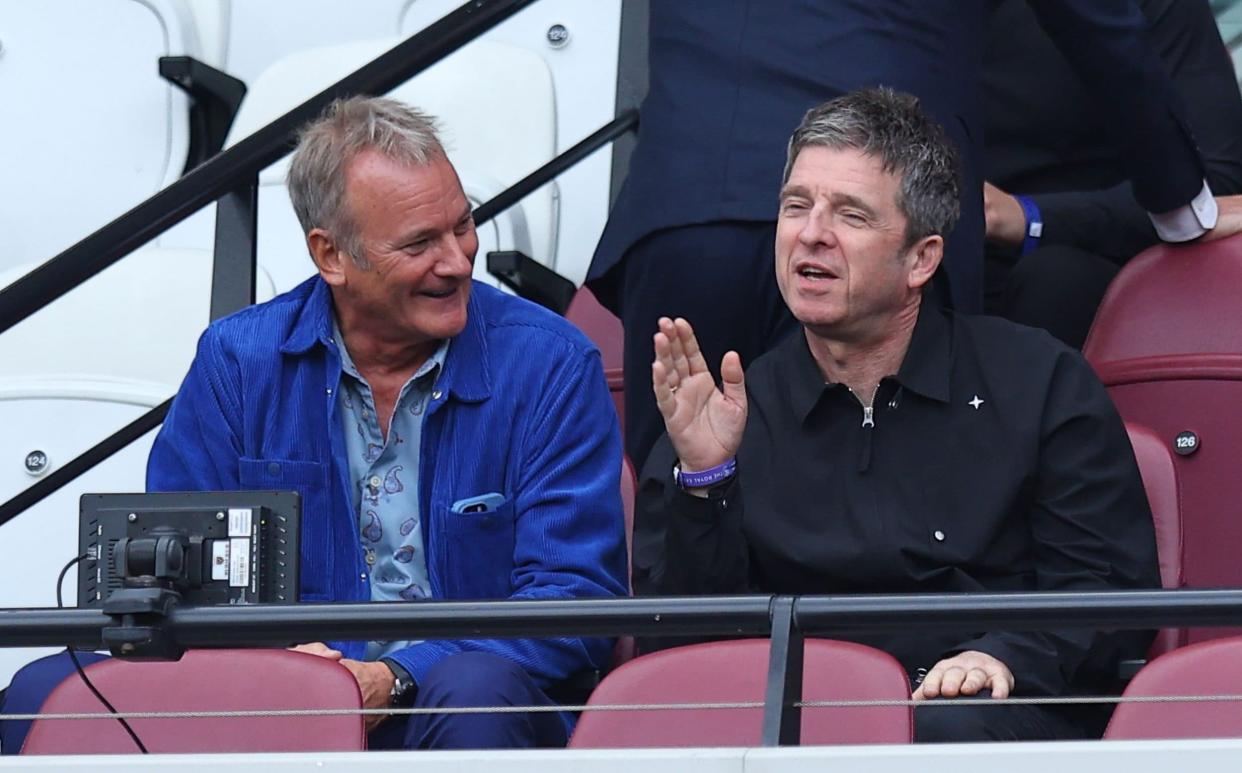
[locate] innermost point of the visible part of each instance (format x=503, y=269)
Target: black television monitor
x=212, y=547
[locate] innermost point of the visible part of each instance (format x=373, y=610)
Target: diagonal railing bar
x=222, y=173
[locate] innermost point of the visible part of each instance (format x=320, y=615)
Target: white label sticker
x=239, y=563
x=220, y=559
x=239, y=521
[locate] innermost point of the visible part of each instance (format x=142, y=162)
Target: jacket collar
x=466, y=372
x=925, y=369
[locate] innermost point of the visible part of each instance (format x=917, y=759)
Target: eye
x=793, y=206
x=417, y=246
x=464, y=227
x=854, y=218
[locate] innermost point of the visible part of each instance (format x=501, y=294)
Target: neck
x=862, y=363
x=376, y=356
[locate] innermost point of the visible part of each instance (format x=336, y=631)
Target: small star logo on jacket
x=975, y=403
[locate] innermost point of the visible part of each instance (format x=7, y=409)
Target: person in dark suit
x=691, y=231
x=1057, y=172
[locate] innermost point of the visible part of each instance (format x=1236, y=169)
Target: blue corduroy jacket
x=521, y=408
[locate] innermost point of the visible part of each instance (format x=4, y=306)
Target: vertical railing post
x=235, y=264
x=782, y=712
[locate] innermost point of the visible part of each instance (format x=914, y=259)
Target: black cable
x=60, y=604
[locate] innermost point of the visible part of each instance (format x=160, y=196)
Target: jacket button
x=273, y=469
x=436, y=394
x=939, y=535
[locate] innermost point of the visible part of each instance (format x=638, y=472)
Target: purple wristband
x=708, y=477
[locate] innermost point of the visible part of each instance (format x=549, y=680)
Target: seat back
x=92, y=128
x=1206, y=668
x=206, y=680
x=604, y=329
x=736, y=671
x=1155, y=464
x=1167, y=343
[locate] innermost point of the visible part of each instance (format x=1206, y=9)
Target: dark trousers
x=466, y=679
x=1056, y=287
x=474, y=679
x=720, y=277
x=983, y=719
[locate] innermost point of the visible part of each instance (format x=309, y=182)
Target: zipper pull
x=868, y=416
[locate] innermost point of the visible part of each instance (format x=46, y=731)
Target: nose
x=816, y=229
x=457, y=257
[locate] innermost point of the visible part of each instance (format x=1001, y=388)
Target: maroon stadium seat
x=1167, y=343
x=206, y=680
x=1206, y=668
x=736, y=671
x=602, y=327
x=1155, y=462
x=626, y=648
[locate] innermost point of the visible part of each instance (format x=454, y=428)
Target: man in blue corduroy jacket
x=448, y=441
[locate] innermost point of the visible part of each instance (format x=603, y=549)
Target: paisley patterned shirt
x=384, y=481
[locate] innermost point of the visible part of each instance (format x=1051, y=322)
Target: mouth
x=814, y=272
x=440, y=294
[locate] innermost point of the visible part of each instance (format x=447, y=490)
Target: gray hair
x=328, y=144
x=890, y=126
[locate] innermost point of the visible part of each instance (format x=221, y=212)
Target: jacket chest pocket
x=310, y=480
x=473, y=553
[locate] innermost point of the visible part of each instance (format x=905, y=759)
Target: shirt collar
x=465, y=374
x=925, y=368
x=929, y=360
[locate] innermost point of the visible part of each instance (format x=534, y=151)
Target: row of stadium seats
x=727, y=672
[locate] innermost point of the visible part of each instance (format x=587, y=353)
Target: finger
x=976, y=679
x=662, y=343
x=732, y=378
x=918, y=695
x=951, y=684
x=1001, y=682
x=665, y=400
x=931, y=682
x=694, y=356
x=681, y=365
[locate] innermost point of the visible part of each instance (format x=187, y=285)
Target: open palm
x=704, y=423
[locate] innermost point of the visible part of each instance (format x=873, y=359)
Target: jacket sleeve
x=1108, y=45
x=686, y=545
x=198, y=447
x=570, y=537
x=1091, y=530
x=1111, y=222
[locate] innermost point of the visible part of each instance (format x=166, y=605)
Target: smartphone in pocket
x=483, y=503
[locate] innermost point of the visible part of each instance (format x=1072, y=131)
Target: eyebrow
x=794, y=190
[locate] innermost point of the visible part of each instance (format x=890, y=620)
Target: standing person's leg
x=1058, y=288
x=30, y=687
x=720, y=277
x=475, y=679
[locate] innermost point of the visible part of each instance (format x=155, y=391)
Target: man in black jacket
x=893, y=446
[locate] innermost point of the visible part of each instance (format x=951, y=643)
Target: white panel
x=91, y=128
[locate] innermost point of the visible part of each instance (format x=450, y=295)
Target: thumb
x=733, y=382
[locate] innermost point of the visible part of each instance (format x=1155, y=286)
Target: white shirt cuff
x=1189, y=221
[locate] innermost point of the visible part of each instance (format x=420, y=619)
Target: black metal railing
x=786, y=619
x=231, y=180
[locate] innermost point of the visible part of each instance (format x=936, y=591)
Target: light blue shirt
x=384, y=483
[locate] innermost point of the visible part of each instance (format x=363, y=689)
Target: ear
x=328, y=257
x=927, y=254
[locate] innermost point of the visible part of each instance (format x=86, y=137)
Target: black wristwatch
x=404, y=687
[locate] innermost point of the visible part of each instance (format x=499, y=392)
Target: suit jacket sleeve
x=1107, y=43
x=1110, y=222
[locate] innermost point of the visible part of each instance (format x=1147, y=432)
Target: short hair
x=329, y=143
x=889, y=125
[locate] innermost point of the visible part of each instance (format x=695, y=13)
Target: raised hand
x=704, y=423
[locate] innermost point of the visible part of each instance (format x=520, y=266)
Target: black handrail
x=787, y=619
x=221, y=174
